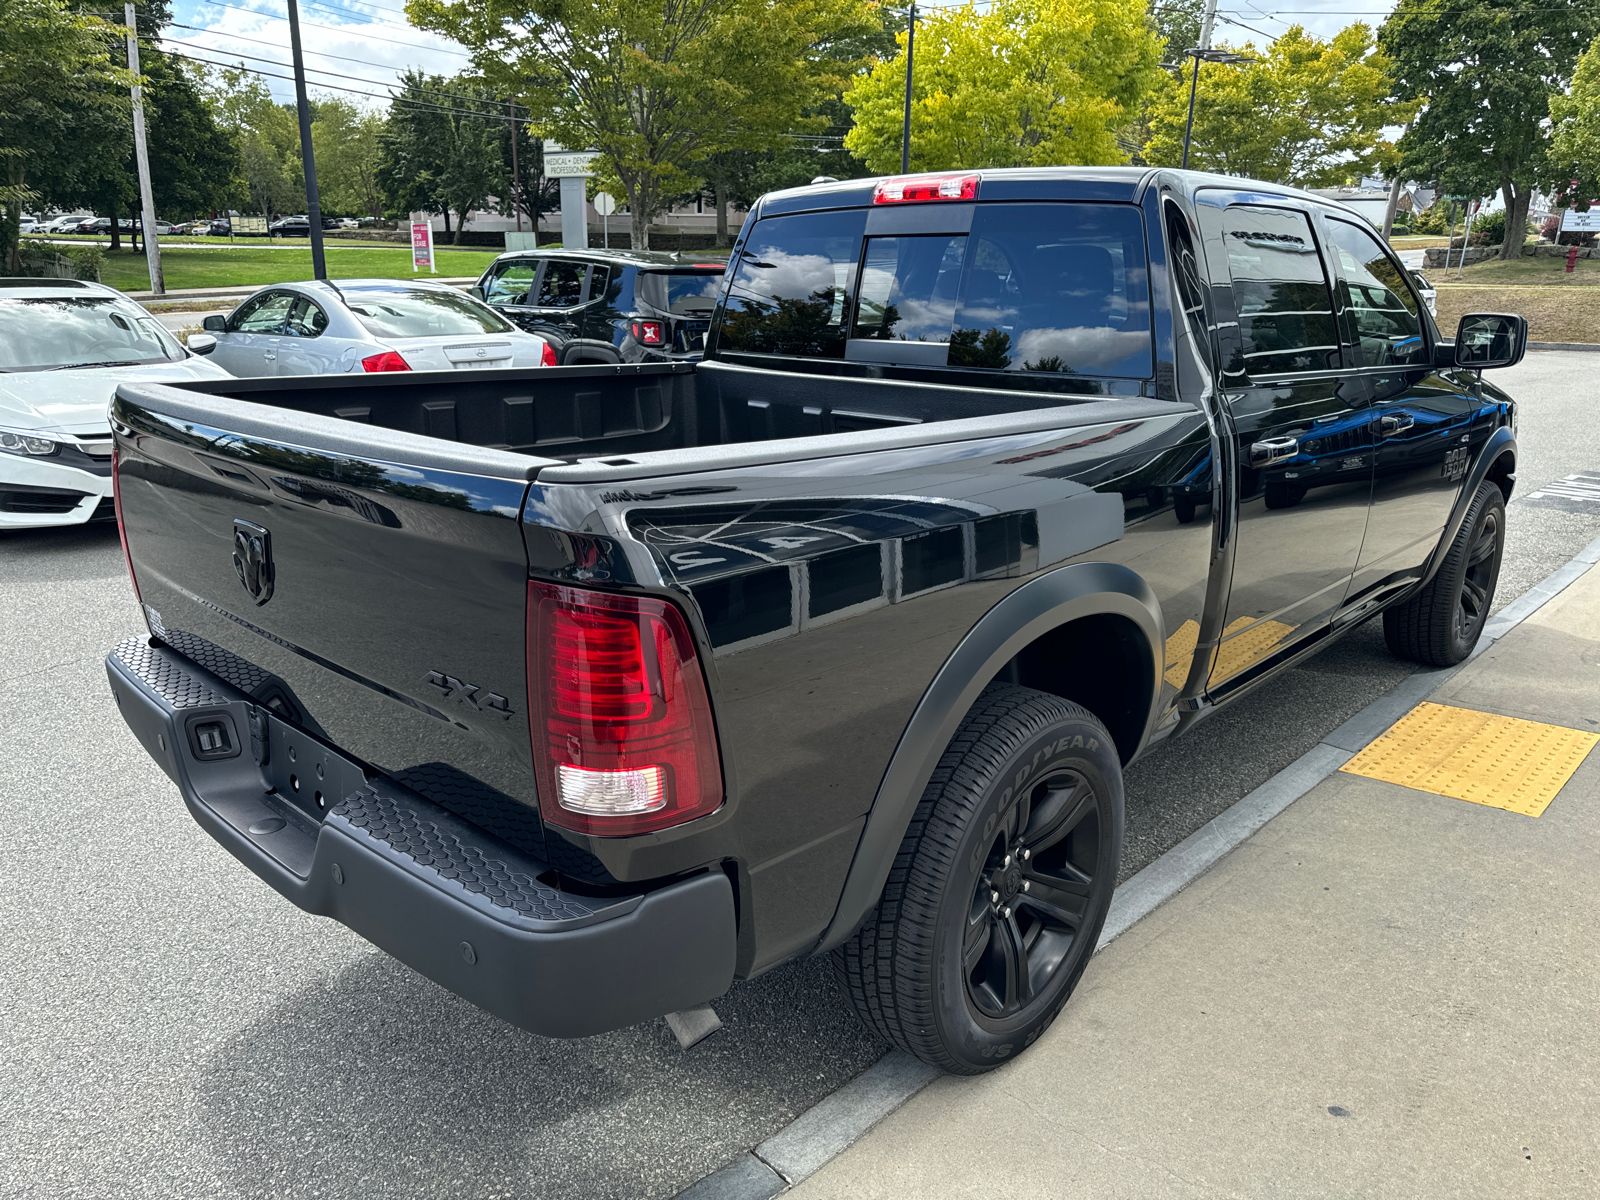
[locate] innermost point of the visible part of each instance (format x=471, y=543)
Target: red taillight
x=622, y=730
x=647, y=333
x=122, y=529
x=913, y=189
x=389, y=360
x=547, y=356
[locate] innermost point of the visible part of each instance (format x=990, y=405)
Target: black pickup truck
x=589, y=690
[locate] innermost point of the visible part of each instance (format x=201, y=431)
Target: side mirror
x=1491, y=340
x=215, y=323
x=200, y=343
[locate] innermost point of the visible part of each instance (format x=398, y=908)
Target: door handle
x=1395, y=423
x=269, y=355
x=1273, y=451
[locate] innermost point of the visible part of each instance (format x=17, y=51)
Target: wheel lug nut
x=1025, y=885
x=1006, y=912
x=1007, y=862
x=994, y=897
x=1026, y=855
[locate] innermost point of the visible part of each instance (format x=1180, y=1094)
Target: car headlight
x=24, y=443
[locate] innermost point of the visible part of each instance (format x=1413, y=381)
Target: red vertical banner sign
x=422, y=247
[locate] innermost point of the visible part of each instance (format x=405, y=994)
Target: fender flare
x=1038, y=606
x=1500, y=441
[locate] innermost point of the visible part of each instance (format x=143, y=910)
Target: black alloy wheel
x=1032, y=899
x=1001, y=885
x=1441, y=624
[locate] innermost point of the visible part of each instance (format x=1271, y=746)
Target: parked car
x=368, y=325
x=27, y=225
x=62, y=224
x=600, y=306
x=291, y=227
x=586, y=691
x=64, y=346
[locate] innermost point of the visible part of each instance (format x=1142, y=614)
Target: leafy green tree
x=1177, y=24
x=1307, y=112
x=57, y=70
x=656, y=85
x=1573, y=166
x=267, y=134
x=344, y=139
x=1485, y=71
x=1018, y=83
x=439, y=151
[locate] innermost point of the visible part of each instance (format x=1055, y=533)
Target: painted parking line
x=1479, y=757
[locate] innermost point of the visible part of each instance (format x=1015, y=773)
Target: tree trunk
x=1516, y=199
x=1394, y=203
x=720, y=191
x=446, y=220
x=116, y=230
x=638, y=215
x=11, y=215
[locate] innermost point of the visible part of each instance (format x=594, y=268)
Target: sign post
x=572, y=167
x=422, y=247
x=605, y=204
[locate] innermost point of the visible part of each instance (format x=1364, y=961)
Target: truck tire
x=998, y=892
x=1441, y=624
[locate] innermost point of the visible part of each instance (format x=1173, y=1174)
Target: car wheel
x=1184, y=509
x=1441, y=624
x=998, y=892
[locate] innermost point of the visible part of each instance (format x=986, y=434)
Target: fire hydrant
x=1572, y=259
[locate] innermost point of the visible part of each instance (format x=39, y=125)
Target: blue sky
x=371, y=40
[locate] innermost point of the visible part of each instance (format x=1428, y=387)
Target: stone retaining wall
x=1435, y=256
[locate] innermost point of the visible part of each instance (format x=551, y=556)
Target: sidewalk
x=1384, y=992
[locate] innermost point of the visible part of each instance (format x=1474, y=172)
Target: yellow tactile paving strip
x=1233, y=655
x=1483, y=758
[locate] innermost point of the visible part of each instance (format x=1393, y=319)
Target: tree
x=1021, y=82
x=344, y=139
x=1484, y=70
x=439, y=152
x=267, y=135
x=1573, y=164
x=655, y=85
x=56, y=70
x=1307, y=112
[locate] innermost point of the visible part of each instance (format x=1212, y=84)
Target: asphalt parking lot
x=172, y=1028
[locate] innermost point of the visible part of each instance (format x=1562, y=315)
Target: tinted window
x=305, y=319
x=684, y=293
x=599, y=281
x=264, y=314
x=789, y=292
x=1059, y=288
x=422, y=313
x=510, y=283
x=42, y=334
x=1286, y=320
x=562, y=285
x=1388, y=328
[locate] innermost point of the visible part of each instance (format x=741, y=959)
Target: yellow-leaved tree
x=1307, y=112
x=1018, y=83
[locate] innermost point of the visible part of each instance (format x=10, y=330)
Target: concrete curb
x=1563, y=346
x=831, y=1125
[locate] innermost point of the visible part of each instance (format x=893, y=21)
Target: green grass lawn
x=1416, y=241
x=196, y=268
x=1523, y=272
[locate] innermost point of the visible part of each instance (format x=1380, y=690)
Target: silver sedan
x=362, y=325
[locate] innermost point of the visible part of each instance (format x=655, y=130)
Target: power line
x=340, y=29
x=239, y=37
x=337, y=75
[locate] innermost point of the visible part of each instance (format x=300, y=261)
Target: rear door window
x=790, y=292
x=562, y=285
x=1286, y=320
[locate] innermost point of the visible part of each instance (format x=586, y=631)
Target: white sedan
x=64, y=346
x=357, y=325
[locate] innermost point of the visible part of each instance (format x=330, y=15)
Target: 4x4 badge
x=252, y=559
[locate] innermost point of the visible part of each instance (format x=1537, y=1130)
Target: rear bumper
x=456, y=904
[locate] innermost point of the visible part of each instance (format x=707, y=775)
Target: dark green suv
x=607, y=306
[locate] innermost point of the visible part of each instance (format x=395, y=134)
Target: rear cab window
x=1057, y=288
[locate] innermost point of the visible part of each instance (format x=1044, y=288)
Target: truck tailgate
x=328, y=570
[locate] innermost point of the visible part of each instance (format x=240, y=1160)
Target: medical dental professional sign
x=422, y=247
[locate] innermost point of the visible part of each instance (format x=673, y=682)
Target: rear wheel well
x=1102, y=662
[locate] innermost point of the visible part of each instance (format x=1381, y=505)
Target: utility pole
x=141, y=154
x=905, y=127
x=516, y=175
x=1207, y=20
x=319, y=264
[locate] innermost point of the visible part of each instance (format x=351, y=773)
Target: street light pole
x=319, y=264
x=1188, y=127
x=905, y=127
